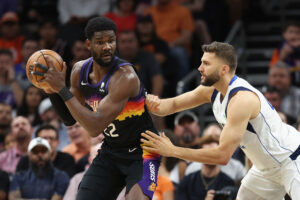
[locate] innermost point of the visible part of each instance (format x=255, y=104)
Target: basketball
x=39, y=56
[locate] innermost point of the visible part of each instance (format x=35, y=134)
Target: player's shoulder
x=78, y=65
x=126, y=73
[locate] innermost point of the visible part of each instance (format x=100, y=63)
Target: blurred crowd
x=41, y=158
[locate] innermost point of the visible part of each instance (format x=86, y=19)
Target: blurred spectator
x=79, y=52
x=298, y=124
x=273, y=96
x=149, y=41
x=279, y=77
x=22, y=130
x=196, y=7
x=8, y=5
x=31, y=11
x=5, y=120
x=74, y=182
x=9, y=141
x=30, y=104
x=174, y=24
x=147, y=68
x=211, y=177
x=234, y=169
x=124, y=16
x=283, y=117
x=80, y=142
x=49, y=116
x=289, y=50
x=187, y=129
x=29, y=46
x=79, y=12
x=10, y=37
x=4, y=185
x=48, y=32
x=164, y=189
x=10, y=91
x=62, y=161
x=41, y=180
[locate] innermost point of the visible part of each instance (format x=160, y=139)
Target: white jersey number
x=110, y=129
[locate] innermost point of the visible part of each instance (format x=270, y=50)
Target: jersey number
x=110, y=129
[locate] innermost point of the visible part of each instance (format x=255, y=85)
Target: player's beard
x=99, y=60
x=211, y=79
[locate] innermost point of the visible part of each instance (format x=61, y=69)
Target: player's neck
x=223, y=84
x=98, y=72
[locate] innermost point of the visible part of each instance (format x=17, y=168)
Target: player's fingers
x=41, y=66
x=148, y=137
x=153, y=135
x=150, y=149
x=64, y=67
x=147, y=142
x=50, y=63
x=38, y=73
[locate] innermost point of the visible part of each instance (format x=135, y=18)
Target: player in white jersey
x=248, y=120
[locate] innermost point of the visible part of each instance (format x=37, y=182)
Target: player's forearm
x=207, y=156
x=89, y=120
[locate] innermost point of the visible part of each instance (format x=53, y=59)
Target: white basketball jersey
x=267, y=141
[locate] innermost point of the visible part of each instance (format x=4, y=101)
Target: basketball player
x=110, y=86
x=248, y=120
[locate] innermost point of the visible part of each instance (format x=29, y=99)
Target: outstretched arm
x=163, y=107
x=231, y=135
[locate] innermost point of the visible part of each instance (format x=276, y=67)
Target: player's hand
x=157, y=144
x=54, y=78
x=153, y=103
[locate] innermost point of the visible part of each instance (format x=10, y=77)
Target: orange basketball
x=39, y=56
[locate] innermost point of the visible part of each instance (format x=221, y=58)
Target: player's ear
x=88, y=44
x=225, y=69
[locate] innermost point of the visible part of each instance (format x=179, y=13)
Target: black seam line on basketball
x=44, y=58
x=62, y=64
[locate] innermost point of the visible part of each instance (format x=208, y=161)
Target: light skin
x=38, y=155
x=123, y=85
x=233, y=130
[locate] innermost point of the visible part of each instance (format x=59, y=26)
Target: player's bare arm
x=123, y=85
x=194, y=98
x=231, y=136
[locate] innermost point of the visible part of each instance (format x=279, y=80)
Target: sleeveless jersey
x=125, y=131
x=267, y=141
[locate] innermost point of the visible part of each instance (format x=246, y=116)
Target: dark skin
x=123, y=85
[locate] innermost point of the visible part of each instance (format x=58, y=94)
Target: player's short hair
x=99, y=24
x=224, y=51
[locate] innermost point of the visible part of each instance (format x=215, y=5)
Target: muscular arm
x=231, y=136
x=123, y=85
x=188, y=100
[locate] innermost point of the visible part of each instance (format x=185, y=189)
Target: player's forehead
x=100, y=35
x=208, y=57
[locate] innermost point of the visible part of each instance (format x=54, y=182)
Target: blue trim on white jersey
x=233, y=79
x=250, y=128
x=267, y=150
x=232, y=92
x=273, y=135
x=296, y=153
x=213, y=96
